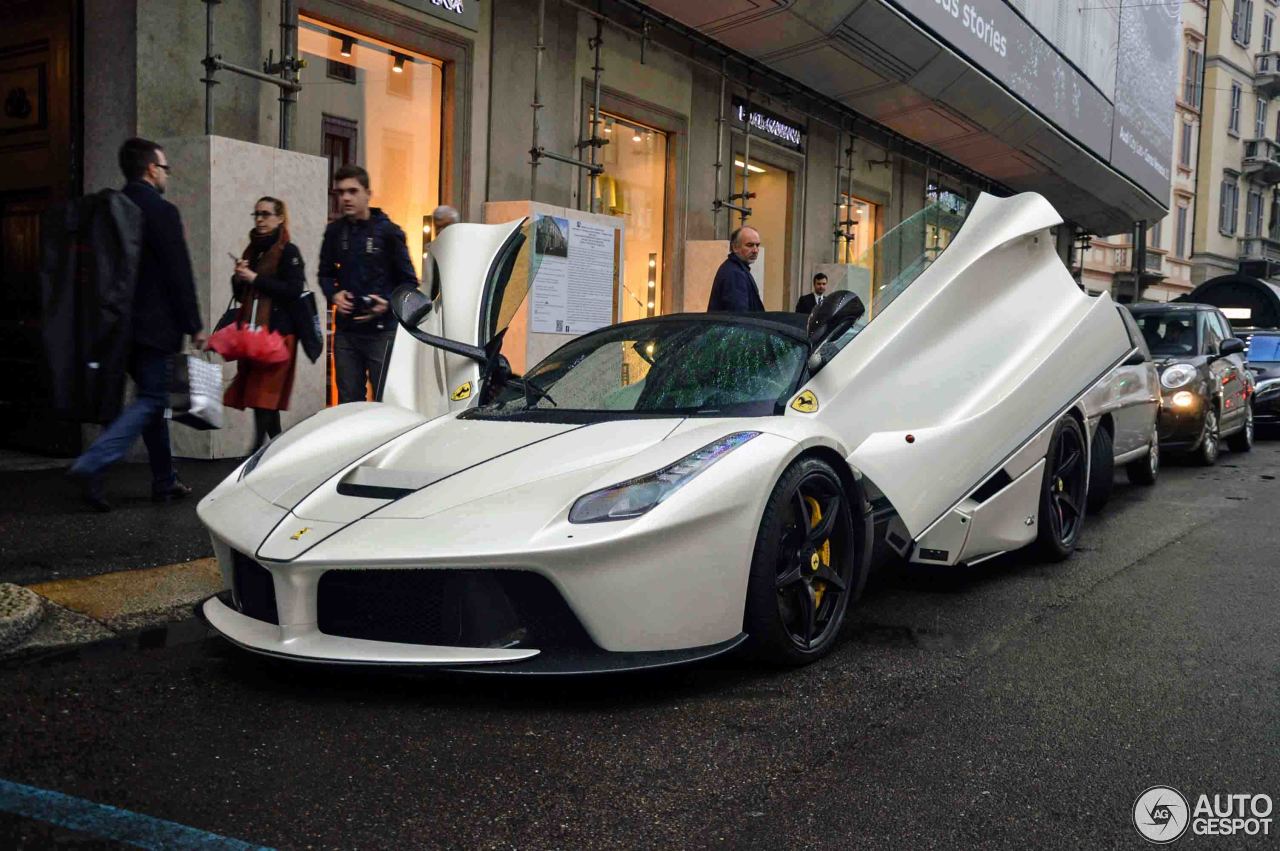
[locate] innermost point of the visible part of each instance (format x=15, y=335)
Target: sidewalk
x=101, y=575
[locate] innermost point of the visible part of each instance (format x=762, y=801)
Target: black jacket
x=367, y=257
x=734, y=288
x=807, y=303
x=283, y=287
x=164, y=298
x=91, y=250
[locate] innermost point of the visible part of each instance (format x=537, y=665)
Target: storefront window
x=377, y=105
x=634, y=186
x=771, y=216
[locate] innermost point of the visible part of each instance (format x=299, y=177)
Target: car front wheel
x=1242, y=441
x=1146, y=470
x=807, y=566
x=1062, y=495
x=1207, y=454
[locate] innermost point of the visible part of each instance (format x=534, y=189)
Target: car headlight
x=248, y=466
x=1178, y=375
x=637, y=496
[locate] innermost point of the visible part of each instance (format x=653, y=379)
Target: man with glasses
x=164, y=311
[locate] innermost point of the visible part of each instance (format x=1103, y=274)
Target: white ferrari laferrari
x=669, y=489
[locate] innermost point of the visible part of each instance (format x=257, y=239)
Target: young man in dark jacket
x=164, y=311
x=363, y=259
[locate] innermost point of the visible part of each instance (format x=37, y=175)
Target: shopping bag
x=195, y=392
x=306, y=321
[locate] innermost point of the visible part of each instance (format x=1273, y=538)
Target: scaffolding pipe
x=288, y=70
x=746, y=162
x=209, y=67
x=592, y=174
x=839, y=228
x=720, y=154
x=535, y=152
x=848, y=222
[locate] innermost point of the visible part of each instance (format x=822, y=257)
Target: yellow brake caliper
x=824, y=552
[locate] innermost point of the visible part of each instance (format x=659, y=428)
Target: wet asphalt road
x=1012, y=705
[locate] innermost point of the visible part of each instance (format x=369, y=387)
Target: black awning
x=1261, y=300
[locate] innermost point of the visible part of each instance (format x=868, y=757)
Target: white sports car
x=669, y=489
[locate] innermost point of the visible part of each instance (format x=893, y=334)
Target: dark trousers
x=266, y=425
x=358, y=358
x=150, y=370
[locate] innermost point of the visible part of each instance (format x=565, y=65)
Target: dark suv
x=1206, y=389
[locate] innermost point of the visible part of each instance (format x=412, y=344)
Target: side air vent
x=992, y=486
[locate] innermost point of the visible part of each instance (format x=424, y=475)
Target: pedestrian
x=441, y=218
x=734, y=289
x=809, y=301
x=269, y=276
x=164, y=310
x=363, y=259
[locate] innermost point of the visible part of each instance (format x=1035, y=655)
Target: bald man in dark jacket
x=733, y=288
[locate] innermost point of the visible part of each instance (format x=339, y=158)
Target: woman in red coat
x=268, y=277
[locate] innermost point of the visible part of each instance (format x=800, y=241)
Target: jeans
x=358, y=358
x=150, y=370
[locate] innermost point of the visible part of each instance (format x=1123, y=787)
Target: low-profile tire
x=1102, y=470
x=1242, y=441
x=799, y=589
x=1063, y=492
x=1206, y=454
x=1146, y=469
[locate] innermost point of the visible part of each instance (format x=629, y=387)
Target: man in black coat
x=363, y=259
x=733, y=288
x=809, y=301
x=164, y=311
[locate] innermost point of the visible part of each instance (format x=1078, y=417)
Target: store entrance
x=771, y=215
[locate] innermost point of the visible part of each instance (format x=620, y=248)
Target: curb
x=21, y=611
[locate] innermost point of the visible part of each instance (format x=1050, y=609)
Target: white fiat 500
x=669, y=489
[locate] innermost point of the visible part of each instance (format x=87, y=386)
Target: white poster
x=575, y=276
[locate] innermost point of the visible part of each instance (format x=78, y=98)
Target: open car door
x=444, y=346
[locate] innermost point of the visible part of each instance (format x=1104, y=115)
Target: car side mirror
x=1136, y=359
x=410, y=305
x=1230, y=346
x=833, y=317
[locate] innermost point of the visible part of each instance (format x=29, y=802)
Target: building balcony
x=1266, y=74
x=1259, y=248
x=1153, y=264
x=1262, y=160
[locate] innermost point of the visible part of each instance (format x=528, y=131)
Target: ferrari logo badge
x=298, y=534
x=463, y=392
x=813, y=562
x=805, y=403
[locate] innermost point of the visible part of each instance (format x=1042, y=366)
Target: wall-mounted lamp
x=398, y=65
x=653, y=280
x=348, y=45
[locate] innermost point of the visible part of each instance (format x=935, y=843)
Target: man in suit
x=164, y=311
x=733, y=288
x=809, y=301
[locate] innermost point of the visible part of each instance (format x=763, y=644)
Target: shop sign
x=773, y=127
x=464, y=13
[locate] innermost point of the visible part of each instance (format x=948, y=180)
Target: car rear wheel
x=1062, y=496
x=1242, y=441
x=807, y=566
x=1102, y=469
x=1146, y=470
x=1207, y=454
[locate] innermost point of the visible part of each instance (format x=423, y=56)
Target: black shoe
x=177, y=490
x=91, y=491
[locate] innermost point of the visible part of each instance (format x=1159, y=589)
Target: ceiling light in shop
x=636, y=135
x=753, y=169
x=608, y=125
x=348, y=45
x=400, y=60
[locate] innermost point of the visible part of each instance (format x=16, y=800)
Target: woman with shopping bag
x=269, y=277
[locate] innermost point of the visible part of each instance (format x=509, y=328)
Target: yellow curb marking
x=110, y=595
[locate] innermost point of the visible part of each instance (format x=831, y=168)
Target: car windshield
x=1264, y=350
x=1169, y=333
x=670, y=367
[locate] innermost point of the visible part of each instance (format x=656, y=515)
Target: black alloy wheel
x=1242, y=441
x=1210, y=436
x=1146, y=470
x=1062, y=495
x=807, y=565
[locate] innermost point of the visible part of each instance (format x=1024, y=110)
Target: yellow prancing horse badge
x=298, y=534
x=463, y=392
x=805, y=403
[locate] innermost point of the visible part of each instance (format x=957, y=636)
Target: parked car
x=1124, y=411
x=1262, y=354
x=669, y=489
x=1205, y=385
